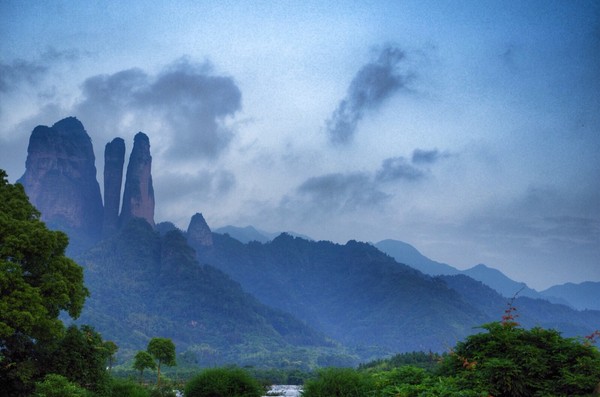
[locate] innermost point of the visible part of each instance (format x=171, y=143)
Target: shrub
x=342, y=382
x=511, y=361
x=128, y=388
x=223, y=382
x=55, y=385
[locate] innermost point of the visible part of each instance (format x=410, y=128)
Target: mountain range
x=579, y=296
x=261, y=299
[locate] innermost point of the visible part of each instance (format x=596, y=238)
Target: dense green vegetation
x=146, y=284
x=37, y=282
x=348, y=292
x=223, y=382
x=503, y=361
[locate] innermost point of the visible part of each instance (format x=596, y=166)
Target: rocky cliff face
x=138, y=196
x=60, y=179
x=198, y=232
x=114, y=158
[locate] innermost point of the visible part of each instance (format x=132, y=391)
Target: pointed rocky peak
x=198, y=232
x=60, y=179
x=114, y=158
x=138, y=196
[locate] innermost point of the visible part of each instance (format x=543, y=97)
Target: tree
x=143, y=360
x=111, y=348
x=511, y=361
x=37, y=282
x=163, y=351
x=81, y=357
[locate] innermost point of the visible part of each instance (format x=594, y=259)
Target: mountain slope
x=500, y=282
x=409, y=255
x=244, y=234
x=581, y=296
x=143, y=285
x=250, y=233
x=531, y=312
x=353, y=292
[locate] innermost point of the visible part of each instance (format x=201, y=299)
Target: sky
x=469, y=129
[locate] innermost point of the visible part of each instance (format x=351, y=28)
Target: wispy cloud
x=398, y=168
x=17, y=73
x=342, y=192
x=420, y=156
x=371, y=86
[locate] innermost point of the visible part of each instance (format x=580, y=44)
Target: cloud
x=353, y=190
x=342, y=192
x=371, y=86
x=19, y=71
x=420, y=156
x=185, y=103
x=397, y=168
x=204, y=185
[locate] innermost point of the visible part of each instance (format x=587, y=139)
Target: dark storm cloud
x=398, y=168
x=186, y=99
x=370, y=87
x=420, y=156
x=342, y=191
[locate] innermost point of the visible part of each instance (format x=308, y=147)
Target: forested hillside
x=143, y=285
x=353, y=292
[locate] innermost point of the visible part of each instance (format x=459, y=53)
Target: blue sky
x=469, y=129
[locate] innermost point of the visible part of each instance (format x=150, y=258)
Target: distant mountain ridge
x=582, y=296
x=250, y=233
x=406, y=253
x=354, y=292
x=409, y=255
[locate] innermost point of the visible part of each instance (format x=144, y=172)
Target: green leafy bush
x=223, y=382
x=55, y=385
x=511, y=361
x=342, y=382
x=128, y=388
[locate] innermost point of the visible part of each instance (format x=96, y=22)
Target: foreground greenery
x=37, y=282
x=503, y=361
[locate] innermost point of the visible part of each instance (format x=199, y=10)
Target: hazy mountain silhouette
x=250, y=233
x=409, y=255
x=581, y=296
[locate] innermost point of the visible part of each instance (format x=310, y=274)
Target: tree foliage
x=223, y=382
x=81, y=357
x=143, y=360
x=511, y=361
x=37, y=282
x=55, y=385
x=345, y=382
x=111, y=349
x=163, y=351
